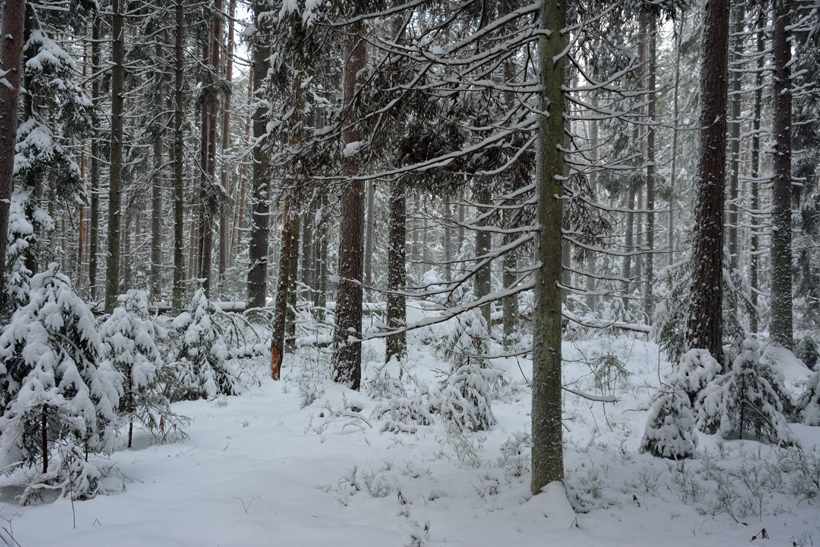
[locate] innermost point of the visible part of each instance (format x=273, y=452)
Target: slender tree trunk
x=780, y=327
x=547, y=450
x=224, y=228
x=592, y=256
x=510, y=303
x=112, y=275
x=673, y=171
x=179, y=141
x=754, y=246
x=308, y=261
x=156, y=188
x=370, y=224
x=448, y=240
x=11, y=56
x=649, y=273
x=396, y=272
x=94, y=214
x=258, y=252
x=293, y=267
x=626, y=268
x=705, y=324
x=277, y=347
x=483, y=246
x=347, y=355
x=735, y=76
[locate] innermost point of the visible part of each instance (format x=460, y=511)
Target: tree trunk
x=673, y=170
x=156, y=188
x=179, y=142
x=347, y=355
x=11, y=56
x=368, y=235
x=224, y=228
x=510, y=303
x=94, y=213
x=293, y=267
x=592, y=256
x=483, y=246
x=396, y=344
x=705, y=324
x=756, y=168
x=734, y=138
x=649, y=273
x=258, y=251
x=547, y=450
x=112, y=273
x=780, y=327
x=280, y=305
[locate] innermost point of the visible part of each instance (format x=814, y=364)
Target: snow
x=304, y=461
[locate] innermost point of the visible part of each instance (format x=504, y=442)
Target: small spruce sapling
x=464, y=400
x=128, y=343
x=809, y=402
x=670, y=428
x=54, y=392
x=203, y=368
x=750, y=398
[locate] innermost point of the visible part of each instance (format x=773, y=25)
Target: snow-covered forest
x=409, y=273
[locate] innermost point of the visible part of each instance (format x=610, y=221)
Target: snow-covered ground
x=262, y=469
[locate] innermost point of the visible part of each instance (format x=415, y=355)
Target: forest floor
x=266, y=468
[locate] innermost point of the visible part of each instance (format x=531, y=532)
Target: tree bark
x=396, y=344
x=277, y=347
x=224, y=228
x=705, y=323
x=94, y=213
x=754, y=246
x=112, y=274
x=780, y=327
x=258, y=251
x=483, y=246
x=293, y=266
x=179, y=142
x=734, y=137
x=547, y=450
x=11, y=56
x=156, y=188
x=649, y=272
x=368, y=236
x=347, y=355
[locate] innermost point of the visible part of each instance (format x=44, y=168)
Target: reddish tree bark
x=11, y=55
x=347, y=355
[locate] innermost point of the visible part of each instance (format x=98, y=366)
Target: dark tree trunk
x=11, y=56
x=483, y=246
x=293, y=267
x=754, y=245
x=112, y=275
x=280, y=305
x=179, y=141
x=780, y=327
x=156, y=188
x=649, y=273
x=547, y=450
x=705, y=324
x=347, y=355
x=396, y=344
x=368, y=239
x=94, y=213
x=734, y=138
x=224, y=228
x=258, y=251
x=510, y=303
